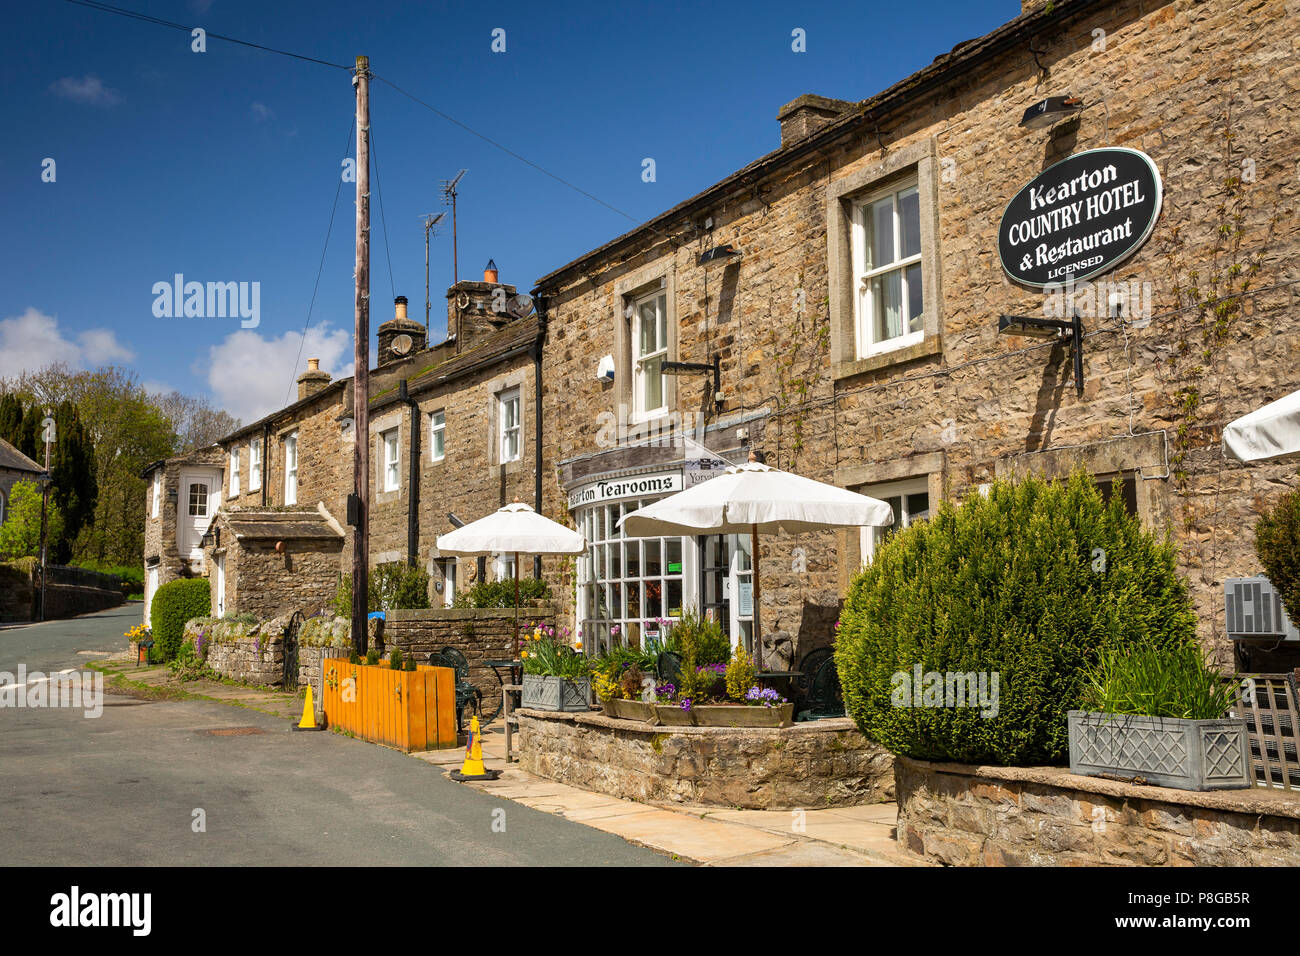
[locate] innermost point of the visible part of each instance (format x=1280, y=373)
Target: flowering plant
x=763, y=697
x=544, y=654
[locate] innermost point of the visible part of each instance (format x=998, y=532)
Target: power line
x=293, y=371
x=379, y=188
x=158, y=21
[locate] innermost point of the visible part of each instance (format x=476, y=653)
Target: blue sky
x=223, y=165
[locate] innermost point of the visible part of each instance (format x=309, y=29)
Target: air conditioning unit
x=1254, y=611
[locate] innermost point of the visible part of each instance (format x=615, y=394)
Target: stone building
x=453, y=428
x=849, y=288
x=183, y=494
x=14, y=467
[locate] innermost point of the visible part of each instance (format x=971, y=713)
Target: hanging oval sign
x=1080, y=217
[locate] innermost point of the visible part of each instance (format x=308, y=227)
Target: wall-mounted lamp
x=719, y=255
x=1051, y=110
x=1060, y=329
x=676, y=368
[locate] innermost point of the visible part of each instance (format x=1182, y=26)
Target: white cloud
x=33, y=340
x=251, y=375
x=89, y=89
x=261, y=112
x=200, y=7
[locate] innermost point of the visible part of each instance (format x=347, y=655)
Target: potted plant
x=718, y=695
x=1160, y=713
x=556, y=675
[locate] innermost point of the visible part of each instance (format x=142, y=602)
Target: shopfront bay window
x=627, y=586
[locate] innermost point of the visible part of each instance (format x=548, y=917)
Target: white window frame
x=640, y=412
x=448, y=581
x=863, y=273
x=291, y=468
x=870, y=538
x=234, y=472
x=438, y=435
x=390, y=445
x=503, y=566
x=254, y=466
x=511, y=396
x=157, y=492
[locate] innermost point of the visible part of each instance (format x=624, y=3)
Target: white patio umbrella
x=751, y=499
x=516, y=529
x=1268, y=432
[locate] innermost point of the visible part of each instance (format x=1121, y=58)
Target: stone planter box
x=544, y=692
x=1170, y=752
x=725, y=715
x=633, y=710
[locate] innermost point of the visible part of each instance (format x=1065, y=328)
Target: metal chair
x=668, y=668
x=819, y=688
x=466, y=693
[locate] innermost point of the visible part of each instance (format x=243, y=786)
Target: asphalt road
x=124, y=788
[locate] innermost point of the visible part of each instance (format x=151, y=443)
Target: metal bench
x=466, y=693
x=668, y=668
x=819, y=688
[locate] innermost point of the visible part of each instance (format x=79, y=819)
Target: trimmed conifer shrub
x=1277, y=542
x=1029, y=585
x=173, y=604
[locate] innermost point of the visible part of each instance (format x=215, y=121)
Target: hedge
x=502, y=593
x=173, y=604
x=1277, y=542
x=1029, y=584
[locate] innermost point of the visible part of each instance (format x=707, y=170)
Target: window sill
x=930, y=345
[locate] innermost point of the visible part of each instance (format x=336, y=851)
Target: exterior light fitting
x=719, y=255
x=676, y=368
x=1060, y=329
x=1051, y=110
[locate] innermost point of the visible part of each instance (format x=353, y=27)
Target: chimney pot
x=400, y=304
x=490, y=273
x=313, y=365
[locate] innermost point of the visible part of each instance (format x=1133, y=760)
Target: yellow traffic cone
x=308, y=721
x=472, y=768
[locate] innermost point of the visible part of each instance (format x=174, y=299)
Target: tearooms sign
x=1081, y=217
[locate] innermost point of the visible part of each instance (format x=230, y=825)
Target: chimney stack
x=807, y=114
x=400, y=336
x=313, y=380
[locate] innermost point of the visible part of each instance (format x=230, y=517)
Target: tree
x=1277, y=542
x=20, y=535
x=75, y=488
x=195, y=422
x=11, y=417
x=29, y=434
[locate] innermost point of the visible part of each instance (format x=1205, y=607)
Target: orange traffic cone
x=472, y=768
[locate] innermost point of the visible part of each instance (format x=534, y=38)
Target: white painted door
x=197, y=502
x=221, y=585
x=150, y=588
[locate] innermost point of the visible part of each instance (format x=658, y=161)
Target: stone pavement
x=845, y=836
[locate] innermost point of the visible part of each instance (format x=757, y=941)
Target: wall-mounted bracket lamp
x=1035, y=327
x=677, y=368
x=1051, y=110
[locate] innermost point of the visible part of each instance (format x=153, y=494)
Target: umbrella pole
x=758, y=594
x=516, y=602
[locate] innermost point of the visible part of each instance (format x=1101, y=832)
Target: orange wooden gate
x=410, y=710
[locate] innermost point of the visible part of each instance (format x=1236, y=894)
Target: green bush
x=173, y=604
x=189, y=664
x=395, y=659
x=696, y=638
x=502, y=593
x=1030, y=584
x=392, y=586
x=1277, y=542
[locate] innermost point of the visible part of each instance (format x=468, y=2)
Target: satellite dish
x=401, y=344
x=519, y=306
x=462, y=300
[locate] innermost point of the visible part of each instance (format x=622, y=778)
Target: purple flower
x=764, y=696
x=665, y=690
x=686, y=704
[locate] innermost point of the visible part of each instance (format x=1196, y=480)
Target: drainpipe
x=413, y=478
x=537, y=420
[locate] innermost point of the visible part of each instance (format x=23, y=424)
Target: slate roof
x=297, y=524
x=14, y=460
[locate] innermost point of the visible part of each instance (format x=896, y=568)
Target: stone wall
x=479, y=633
x=19, y=595
x=949, y=409
x=813, y=765
x=264, y=582
x=1041, y=816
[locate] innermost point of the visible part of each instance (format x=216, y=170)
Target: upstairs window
x=438, y=435
x=649, y=351
x=291, y=469
x=254, y=466
x=392, y=460
x=508, y=403
x=910, y=501
x=887, y=256
x=234, y=472
x=157, y=492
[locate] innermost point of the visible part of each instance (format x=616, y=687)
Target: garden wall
x=481, y=634
x=824, y=763
x=963, y=815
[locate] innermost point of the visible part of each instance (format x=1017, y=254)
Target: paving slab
x=690, y=837
x=801, y=853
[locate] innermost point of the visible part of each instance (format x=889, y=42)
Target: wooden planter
x=725, y=715
x=633, y=710
x=1166, y=751
x=410, y=710
x=544, y=692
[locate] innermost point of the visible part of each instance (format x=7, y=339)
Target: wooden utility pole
x=361, y=378
x=47, y=432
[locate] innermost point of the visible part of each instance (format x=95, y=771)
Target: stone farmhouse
x=837, y=309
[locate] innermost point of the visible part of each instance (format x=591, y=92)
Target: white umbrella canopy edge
x=1272, y=431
